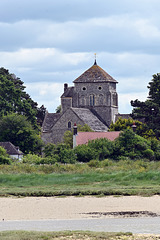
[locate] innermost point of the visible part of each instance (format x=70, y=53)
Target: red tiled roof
x=84, y=137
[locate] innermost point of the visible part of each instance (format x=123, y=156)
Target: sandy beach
x=40, y=208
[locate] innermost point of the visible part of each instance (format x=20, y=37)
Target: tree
x=150, y=109
x=4, y=157
x=13, y=98
x=141, y=128
x=18, y=130
x=59, y=109
x=131, y=145
x=40, y=115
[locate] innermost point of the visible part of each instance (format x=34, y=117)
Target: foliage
x=141, y=128
x=102, y=148
x=68, y=135
x=150, y=109
x=40, y=115
x=16, y=129
x=4, y=158
x=68, y=138
x=59, y=109
x=132, y=145
x=37, y=160
x=60, y=152
x=13, y=99
x=96, y=149
x=84, y=153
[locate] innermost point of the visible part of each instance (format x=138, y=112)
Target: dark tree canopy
x=16, y=129
x=13, y=98
x=149, y=110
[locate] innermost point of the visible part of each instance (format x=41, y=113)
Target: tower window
x=100, y=88
x=84, y=88
x=92, y=100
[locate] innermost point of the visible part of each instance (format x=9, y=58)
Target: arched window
x=92, y=100
x=69, y=124
x=115, y=102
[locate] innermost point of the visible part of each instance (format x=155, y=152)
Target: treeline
x=127, y=146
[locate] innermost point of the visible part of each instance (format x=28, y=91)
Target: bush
x=148, y=153
x=5, y=160
x=133, y=146
x=103, y=148
x=94, y=163
x=84, y=153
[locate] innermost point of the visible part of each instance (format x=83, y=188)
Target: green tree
x=4, y=157
x=59, y=109
x=133, y=146
x=19, y=131
x=141, y=128
x=40, y=115
x=13, y=98
x=150, y=109
x=60, y=152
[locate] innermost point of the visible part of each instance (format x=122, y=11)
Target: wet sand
x=41, y=208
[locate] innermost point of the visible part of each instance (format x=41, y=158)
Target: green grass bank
x=96, y=178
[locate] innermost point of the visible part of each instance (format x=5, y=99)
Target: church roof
x=50, y=120
x=90, y=119
x=68, y=92
x=94, y=74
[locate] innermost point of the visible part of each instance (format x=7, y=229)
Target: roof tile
x=95, y=74
x=84, y=137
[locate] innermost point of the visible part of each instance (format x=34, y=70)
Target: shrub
x=49, y=149
x=84, y=153
x=5, y=160
x=94, y=163
x=103, y=148
x=148, y=153
x=31, y=159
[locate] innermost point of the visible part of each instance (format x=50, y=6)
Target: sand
x=41, y=208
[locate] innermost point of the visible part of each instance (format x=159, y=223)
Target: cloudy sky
x=47, y=43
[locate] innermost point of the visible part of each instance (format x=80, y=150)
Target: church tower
x=95, y=89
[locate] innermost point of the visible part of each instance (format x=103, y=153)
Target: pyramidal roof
x=95, y=74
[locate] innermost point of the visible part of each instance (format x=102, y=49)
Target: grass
x=108, y=178
x=25, y=235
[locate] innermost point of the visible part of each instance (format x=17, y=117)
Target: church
x=92, y=100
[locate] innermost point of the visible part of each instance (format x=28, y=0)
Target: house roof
x=10, y=148
x=50, y=120
x=90, y=119
x=84, y=137
x=94, y=74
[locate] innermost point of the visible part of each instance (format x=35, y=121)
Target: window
x=69, y=124
x=92, y=100
x=99, y=88
x=84, y=88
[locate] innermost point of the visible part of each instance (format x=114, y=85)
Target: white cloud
x=125, y=99
x=47, y=94
x=52, y=43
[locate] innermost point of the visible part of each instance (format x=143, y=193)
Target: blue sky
x=47, y=43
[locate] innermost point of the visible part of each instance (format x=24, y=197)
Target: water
x=135, y=225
